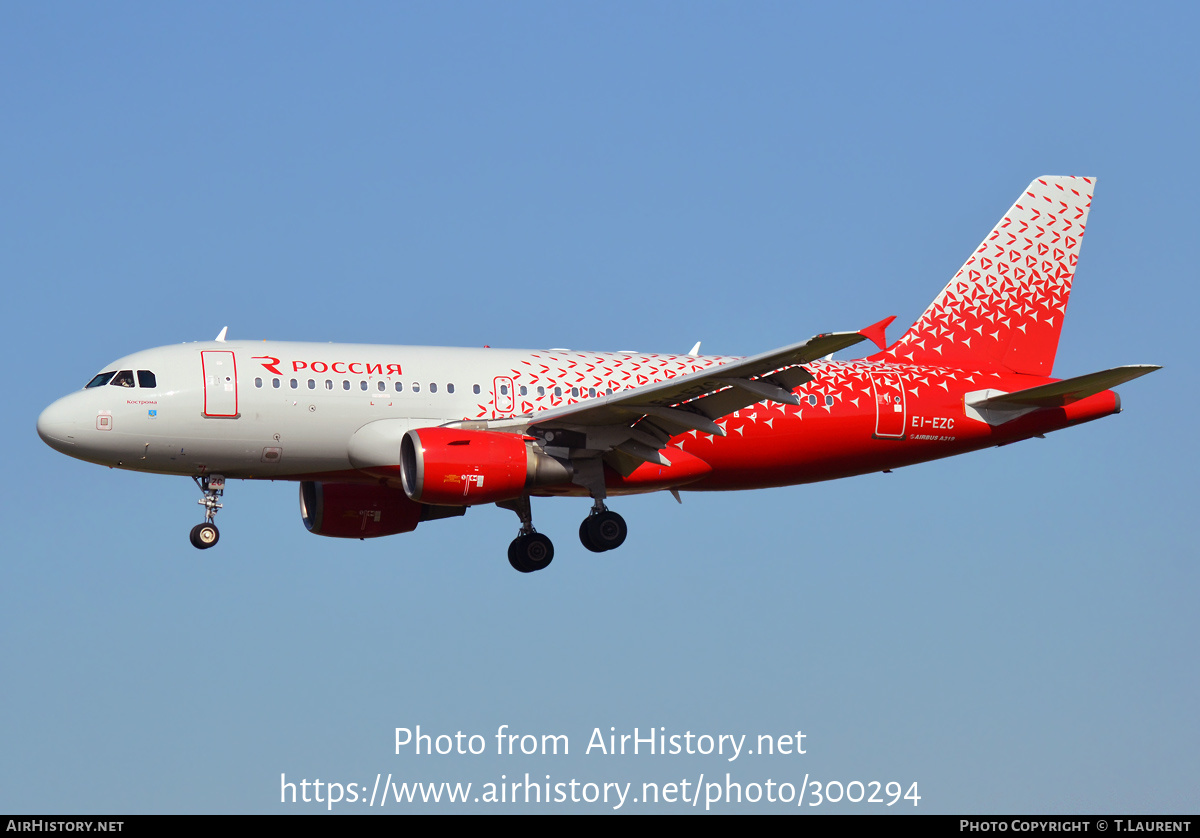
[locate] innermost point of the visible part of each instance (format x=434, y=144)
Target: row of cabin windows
x=146, y=380
x=363, y=385
x=124, y=378
x=415, y=387
x=576, y=392
x=589, y=392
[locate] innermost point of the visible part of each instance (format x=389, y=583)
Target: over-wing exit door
x=220, y=383
x=502, y=395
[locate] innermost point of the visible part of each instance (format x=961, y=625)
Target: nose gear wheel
x=206, y=535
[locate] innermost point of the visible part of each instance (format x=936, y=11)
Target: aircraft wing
x=630, y=427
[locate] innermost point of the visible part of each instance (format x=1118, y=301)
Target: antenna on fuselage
x=221, y=337
x=695, y=350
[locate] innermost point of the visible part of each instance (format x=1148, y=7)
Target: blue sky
x=1015, y=630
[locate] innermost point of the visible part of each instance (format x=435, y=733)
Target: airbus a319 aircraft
x=383, y=438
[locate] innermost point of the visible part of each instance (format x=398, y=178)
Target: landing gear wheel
x=530, y=552
x=606, y=531
x=514, y=556
x=204, y=536
x=585, y=536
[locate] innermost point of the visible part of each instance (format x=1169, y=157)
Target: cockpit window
x=100, y=380
x=146, y=380
x=123, y=379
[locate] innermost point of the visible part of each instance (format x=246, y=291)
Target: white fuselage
x=272, y=409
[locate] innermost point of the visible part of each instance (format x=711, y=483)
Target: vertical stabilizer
x=1004, y=308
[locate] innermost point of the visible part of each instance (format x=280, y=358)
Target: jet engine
x=357, y=510
x=453, y=467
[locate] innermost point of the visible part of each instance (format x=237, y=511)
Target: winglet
x=221, y=337
x=877, y=332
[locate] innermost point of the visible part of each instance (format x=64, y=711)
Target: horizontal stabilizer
x=1067, y=391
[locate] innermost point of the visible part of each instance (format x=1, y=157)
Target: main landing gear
x=602, y=530
x=206, y=535
x=530, y=550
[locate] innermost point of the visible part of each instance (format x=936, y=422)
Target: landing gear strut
x=530, y=550
x=603, y=529
x=206, y=535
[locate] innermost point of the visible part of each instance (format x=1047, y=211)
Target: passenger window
x=146, y=380
x=574, y=392
x=345, y=384
x=258, y=383
x=812, y=400
x=829, y=401
x=100, y=380
x=123, y=379
x=399, y=386
x=450, y=388
x=524, y=390
x=592, y=392
x=416, y=387
x=433, y=388
x=275, y=383
x=541, y=392
x=558, y=392
x=328, y=384
x=295, y=384
x=504, y=389
x=312, y=385
x=475, y=389
x=362, y=385
x=382, y=386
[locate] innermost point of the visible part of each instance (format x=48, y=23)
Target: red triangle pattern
x=1004, y=308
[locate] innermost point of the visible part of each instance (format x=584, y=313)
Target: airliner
x=384, y=438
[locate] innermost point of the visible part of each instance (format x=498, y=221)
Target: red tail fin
x=1005, y=306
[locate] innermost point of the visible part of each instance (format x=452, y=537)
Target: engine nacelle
x=357, y=510
x=453, y=467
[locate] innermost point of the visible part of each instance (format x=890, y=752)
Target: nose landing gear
x=206, y=535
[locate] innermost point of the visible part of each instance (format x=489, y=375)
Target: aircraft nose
x=58, y=427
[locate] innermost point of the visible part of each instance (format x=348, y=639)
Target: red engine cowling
x=354, y=510
x=453, y=467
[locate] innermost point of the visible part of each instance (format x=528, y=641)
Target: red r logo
x=271, y=366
